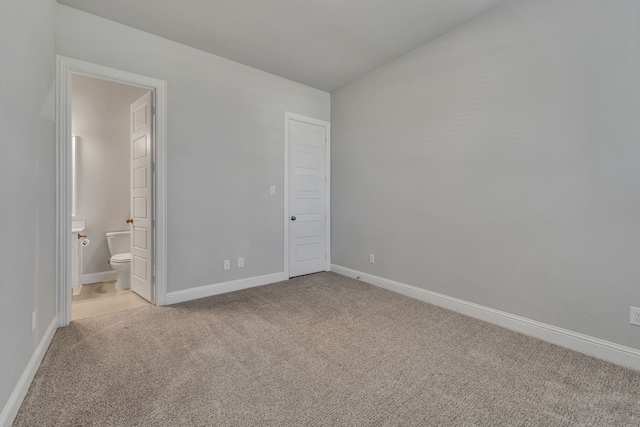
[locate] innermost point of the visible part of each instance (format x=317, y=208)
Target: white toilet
x=120, y=247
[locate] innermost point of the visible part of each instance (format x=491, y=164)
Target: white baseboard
x=103, y=276
x=612, y=352
x=12, y=406
x=224, y=287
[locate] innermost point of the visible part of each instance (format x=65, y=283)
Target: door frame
x=287, y=222
x=65, y=68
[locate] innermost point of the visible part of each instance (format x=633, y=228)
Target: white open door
x=141, y=198
x=307, y=196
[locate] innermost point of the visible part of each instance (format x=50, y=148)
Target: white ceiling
x=322, y=43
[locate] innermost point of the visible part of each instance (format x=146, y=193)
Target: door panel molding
x=65, y=68
x=288, y=117
x=141, y=196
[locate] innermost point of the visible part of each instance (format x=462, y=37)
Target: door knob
x=129, y=220
x=81, y=236
x=293, y=218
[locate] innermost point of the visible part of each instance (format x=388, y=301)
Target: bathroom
x=101, y=126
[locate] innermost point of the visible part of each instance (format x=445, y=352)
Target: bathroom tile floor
x=102, y=298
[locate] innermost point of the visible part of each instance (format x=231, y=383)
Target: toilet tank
x=119, y=242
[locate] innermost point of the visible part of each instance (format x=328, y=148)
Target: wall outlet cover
x=227, y=264
x=634, y=317
x=240, y=262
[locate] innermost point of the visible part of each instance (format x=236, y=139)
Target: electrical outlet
x=372, y=259
x=272, y=190
x=240, y=262
x=227, y=264
x=33, y=321
x=635, y=316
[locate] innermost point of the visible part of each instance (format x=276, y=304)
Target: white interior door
x=307, y=197
x=141, y=198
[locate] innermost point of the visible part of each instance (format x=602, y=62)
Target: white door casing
x=308, y=190
x=65, y=68
x=141, y=197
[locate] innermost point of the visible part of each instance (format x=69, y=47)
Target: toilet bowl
x=119, y=243
x=122, y=264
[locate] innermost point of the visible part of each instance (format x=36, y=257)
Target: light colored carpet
x=319, y=350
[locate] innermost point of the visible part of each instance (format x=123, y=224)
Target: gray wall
x=100, y=117
x=27, y=197
x=499, y=164
x=225, y=146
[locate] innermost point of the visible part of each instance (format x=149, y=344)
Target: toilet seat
x=121, y=258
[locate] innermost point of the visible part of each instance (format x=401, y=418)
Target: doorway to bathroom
x=111, y=182
x=111, y=131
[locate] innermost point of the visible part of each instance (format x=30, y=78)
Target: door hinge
x=153, y=110
x=153, y=166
